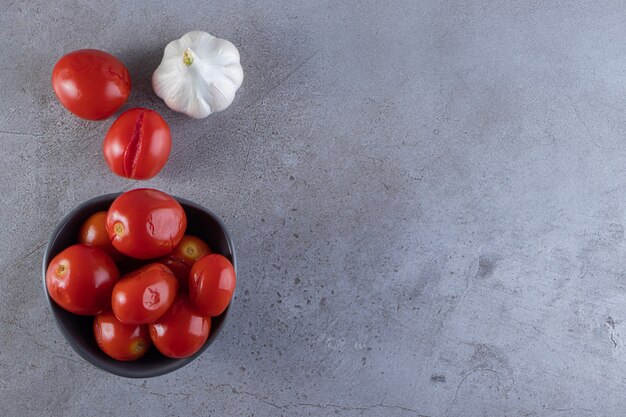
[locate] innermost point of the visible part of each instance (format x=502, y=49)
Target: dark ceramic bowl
x=78, y=330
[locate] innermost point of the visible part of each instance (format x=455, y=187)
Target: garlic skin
x=199, y=74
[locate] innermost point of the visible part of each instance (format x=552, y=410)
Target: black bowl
x=78, y=330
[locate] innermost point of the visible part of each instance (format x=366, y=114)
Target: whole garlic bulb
x=199, y=74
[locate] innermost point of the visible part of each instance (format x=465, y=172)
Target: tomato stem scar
x=61, y=270
x=138, y=346
x=190, y=251
x=118, y=228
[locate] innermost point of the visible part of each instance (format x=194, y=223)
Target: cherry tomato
x=81, y=278
x=90, y=83
x=93, y=232
x=211, y=284
x=145, y=223
x=144, y=295
x=179, y=269
x=138, y=144
x=190, y=249
x=124, y=342
x=181, y=331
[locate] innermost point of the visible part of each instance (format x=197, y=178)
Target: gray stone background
x=427, y=199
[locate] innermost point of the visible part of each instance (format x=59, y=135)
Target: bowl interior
x=78, y=330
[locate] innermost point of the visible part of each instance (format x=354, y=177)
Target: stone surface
x=426, y=198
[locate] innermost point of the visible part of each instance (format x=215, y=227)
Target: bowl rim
x=88, y=356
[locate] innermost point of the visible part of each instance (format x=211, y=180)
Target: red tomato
x=179, y=269
x=80, y=279
x=145, y=223
x=93, y=232
x=124, y=342
x=144, y=295
x=90, y=83
x=137, y=144
x=190, y=249
x=181, y=331
x=211, y=284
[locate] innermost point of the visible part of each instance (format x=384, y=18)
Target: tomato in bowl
x=78, y=330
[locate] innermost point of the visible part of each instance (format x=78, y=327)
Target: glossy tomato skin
x=144, y=295
x=91, y=84
x=81, y=278
x=145, y=223
x=181, y=331
x=179, y=269
x=137, y=144
x=212, y=283
x=190, y=249
x=93, y=232
x=123, y=342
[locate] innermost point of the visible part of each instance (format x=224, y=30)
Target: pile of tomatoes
x=172, y=287
x=93, y=85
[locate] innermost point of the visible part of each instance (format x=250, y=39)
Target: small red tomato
x=91, y=84
x=211, y=284
x=124, y=342
x=190, y=249
x=81, y=278
x=181, y=331
x=137, y=144
x=145, y=223
x=93, y=232
x=144, y=295
x=179, y=269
